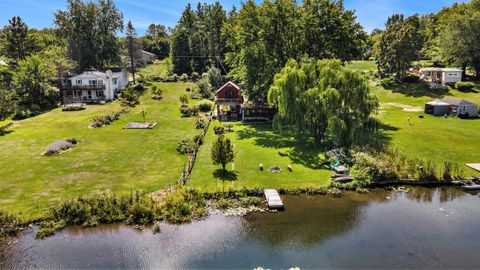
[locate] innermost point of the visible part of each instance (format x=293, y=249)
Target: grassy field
x=431, y=138
x=106, y=159
x=255, y=144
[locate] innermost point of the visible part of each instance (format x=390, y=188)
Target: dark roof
x=458, y=102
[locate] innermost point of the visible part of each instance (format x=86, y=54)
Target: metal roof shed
x=437, y=108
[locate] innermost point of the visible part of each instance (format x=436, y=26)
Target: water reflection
x=424, y=228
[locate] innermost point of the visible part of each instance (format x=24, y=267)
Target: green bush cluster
x=464, y=86
x=186, y=146
x=188, y=111
x=157, y=93
x=9, y=225
x=134, y=208
x=129, y=97
x=250, y=201
x=200, y=123
x=205, y=106
x=105, y=120
x=224, y=204
x=183, y=205
x=393, y=165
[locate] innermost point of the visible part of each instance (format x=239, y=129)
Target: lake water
x=425, y=228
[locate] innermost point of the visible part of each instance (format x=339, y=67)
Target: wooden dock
x=273, y=199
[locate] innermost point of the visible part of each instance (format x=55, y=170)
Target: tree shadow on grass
x=225, y=175
x=418, y=89
x=301, y=149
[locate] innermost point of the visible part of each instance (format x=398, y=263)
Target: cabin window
x=79, y=82
x=229, y=93
x=464, y=108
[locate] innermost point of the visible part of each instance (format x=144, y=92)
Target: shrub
x=184, y=77
x=205, y=88
x=195, y=75
x=9, y=225
x=387, y=81
x=186, y=146
x=188, y=111
x=183, y=205
x=200, y=123
x=139, y=87
x=205, y=106
x=198, y=139
x=219, y=130
x=156, y=228
x=184, y=99
x=135, y=208
x=223, y=204
x=464, y=86
x=44, y=232
x=173, y=78
x=129, y=97
x=157, y=93
x=250, y=201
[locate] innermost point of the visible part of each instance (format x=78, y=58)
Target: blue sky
x=370, y=13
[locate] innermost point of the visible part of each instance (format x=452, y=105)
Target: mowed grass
x=432, y=138
x=107, y=159
x=257, y=144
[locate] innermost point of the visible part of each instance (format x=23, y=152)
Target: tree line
x=447, y=38
x=85, y=37
x=256, y=41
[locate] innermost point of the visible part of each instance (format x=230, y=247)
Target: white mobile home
x=93, y=86
x=442, y=76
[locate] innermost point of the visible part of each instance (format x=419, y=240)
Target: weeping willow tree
x=322, y=98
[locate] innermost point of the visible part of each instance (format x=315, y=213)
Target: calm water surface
x=425, y=228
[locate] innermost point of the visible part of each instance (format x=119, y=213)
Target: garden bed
x=59, y=147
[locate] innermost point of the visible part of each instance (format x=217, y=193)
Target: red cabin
x=229, y=101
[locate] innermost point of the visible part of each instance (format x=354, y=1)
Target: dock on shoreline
x=273, y=199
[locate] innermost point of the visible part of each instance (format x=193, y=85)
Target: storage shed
x=462, y=108
x=437, y=108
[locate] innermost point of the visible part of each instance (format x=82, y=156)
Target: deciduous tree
x=322, y=98
x=222, y=152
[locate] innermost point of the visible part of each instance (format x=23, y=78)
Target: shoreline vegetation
x=178, y=205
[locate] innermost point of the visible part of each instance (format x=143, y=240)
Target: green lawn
x=106, y=159
x=255, y=144
x=432, y=138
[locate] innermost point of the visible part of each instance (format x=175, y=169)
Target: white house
x=441, y=76
x=93, y=86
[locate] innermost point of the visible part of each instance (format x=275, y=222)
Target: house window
x=79, y=82
x=115, y=81
x=100, y=94
x=92, y=82
x=229, y=93
x=68, y=93
x=464, y=108
x=100, y=82
x=89, y=93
